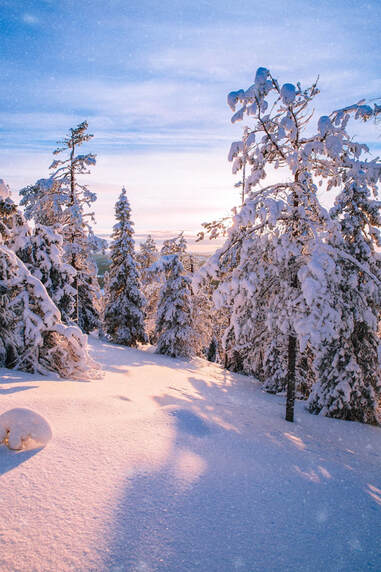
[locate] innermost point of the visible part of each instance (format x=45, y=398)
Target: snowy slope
x=172, y=465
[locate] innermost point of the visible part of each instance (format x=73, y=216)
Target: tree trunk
x=290, y=402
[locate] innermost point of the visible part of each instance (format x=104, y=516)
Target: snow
x=261, y=76
x=324, y=125
x=288, y=93
x=5, y=192
x=24, y=429
x=175, y=465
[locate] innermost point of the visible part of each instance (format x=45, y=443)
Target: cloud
x=31, y=19
x=168, y=191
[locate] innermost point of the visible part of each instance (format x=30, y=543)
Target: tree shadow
x=11, y=459
x=9, y=390
x=237, y=491
x=117, y=358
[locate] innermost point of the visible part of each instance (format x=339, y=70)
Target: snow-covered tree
x=349, y=366
x=292, y=283
x=41, y=251
x=45, y=261
x=123, y=314
x=32, y=337
x=151, y=283
x=178, y=245
x=14, y=230
x=174, y=326
x=316, y=292
x=78, y=236
x=44, y=202
x=147, y=255
x=206, y=326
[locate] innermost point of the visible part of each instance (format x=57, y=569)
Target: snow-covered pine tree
x=45, y=261
x=178, y=245
x=349, y=366
x=174, y=326
x=14, y=230
x=123, y=314
x=77, y=233
x=32, y=337
x=41, y=251
x=43, y=202
x=247, y=279
x=147, y=255
x=206, y=324
x=288, y=216
x=150, y=283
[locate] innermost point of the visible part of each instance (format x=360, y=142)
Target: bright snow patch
x=24, y=429
x=169, y=465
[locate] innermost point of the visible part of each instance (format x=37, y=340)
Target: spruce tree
x=349, y=366
x=150, y=282
x=178, y=245
x=123, y=314
x=32, y=337
x=41, y=251
x=45, y=261
x=174, y=326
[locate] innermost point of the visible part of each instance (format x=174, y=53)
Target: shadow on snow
x=244, y=493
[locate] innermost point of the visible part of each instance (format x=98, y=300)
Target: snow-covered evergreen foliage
x=349, y=366
x=41, y=251
x=123, y=314
x=45, y=261
x=282, y=251
x=74, y=198
x=174, y=326
x=147, y=255
x=206, y=320
x=44, y=202
x=32, y=337
x=178, y=245
x=14, y=230
x=150, y=283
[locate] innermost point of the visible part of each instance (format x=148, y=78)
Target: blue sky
x=151, y=78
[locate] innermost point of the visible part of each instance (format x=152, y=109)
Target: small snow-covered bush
x=24, y=429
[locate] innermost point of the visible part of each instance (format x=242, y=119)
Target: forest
x=292, y=298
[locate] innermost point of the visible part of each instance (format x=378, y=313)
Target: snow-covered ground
x=173, y=465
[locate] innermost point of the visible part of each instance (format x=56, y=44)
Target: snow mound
x=24, y=429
